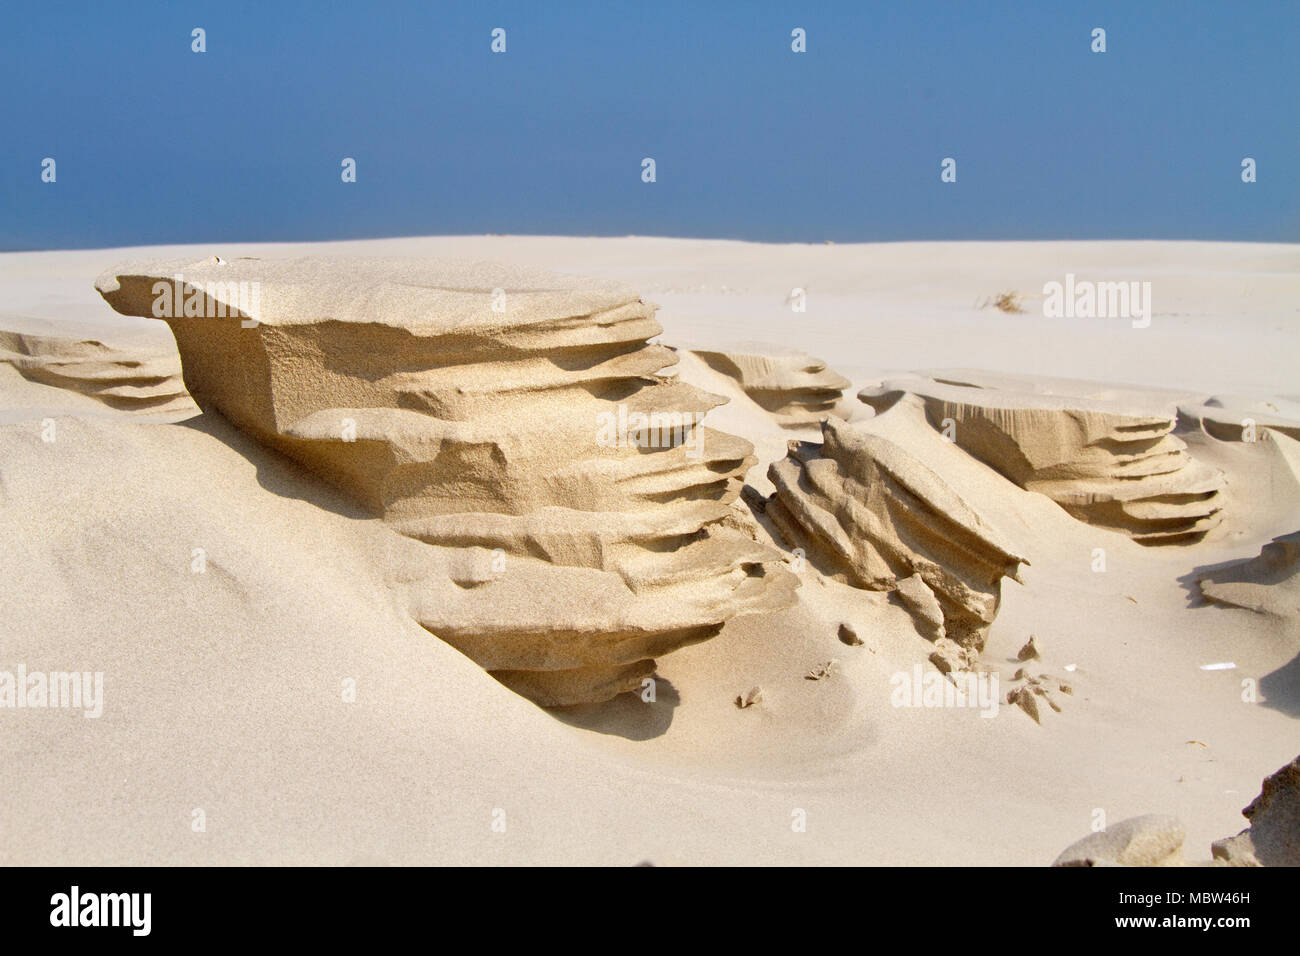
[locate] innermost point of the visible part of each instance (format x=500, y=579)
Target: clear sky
x=155, y=143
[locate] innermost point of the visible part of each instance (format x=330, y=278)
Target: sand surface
x=222, y=690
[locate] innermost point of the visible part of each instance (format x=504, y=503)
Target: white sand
x=222, y=691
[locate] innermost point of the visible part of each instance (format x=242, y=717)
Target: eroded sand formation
x=135, y=381
x=1238, y=418
x=1107, y=456
x=1268, y=583
x=1273, y=837
x=233, y=674
x=870, y=514
x=514, y=417
x=794, y=388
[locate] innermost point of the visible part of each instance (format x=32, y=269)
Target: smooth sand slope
x=265, y=603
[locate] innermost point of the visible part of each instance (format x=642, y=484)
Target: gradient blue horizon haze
x=156, y=144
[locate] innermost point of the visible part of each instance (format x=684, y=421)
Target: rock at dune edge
x=1106, y=456
x=1273, y=837
x=514, y=420
x=869, y=514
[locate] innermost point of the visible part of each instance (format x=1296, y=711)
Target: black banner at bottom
x=236, y=904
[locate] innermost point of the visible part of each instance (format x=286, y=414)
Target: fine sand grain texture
x=308, y=640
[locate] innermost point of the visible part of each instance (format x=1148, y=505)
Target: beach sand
x=286, y=698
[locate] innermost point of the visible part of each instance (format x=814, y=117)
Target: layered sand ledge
x=404, y=461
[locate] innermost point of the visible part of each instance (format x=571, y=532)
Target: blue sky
x=154, y=143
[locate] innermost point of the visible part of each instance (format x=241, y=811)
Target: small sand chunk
x=750, y=699
x=1024, y=699
x=821, y=671
x=1030, y=651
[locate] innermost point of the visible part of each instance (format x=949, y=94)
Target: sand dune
x=264, y=592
